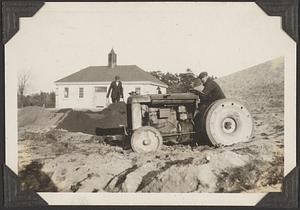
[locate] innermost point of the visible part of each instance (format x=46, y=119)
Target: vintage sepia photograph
x=151, y=97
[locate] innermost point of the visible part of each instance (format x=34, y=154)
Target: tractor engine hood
x=176, y=98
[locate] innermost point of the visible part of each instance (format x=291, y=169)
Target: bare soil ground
x=56, y=155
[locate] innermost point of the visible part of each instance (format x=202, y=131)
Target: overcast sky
x=220, y=38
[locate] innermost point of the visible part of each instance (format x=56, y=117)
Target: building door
x=100, y=96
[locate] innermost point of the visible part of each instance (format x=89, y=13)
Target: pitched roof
x=105, y=74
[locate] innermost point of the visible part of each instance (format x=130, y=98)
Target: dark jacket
x=211, y=92
x=116, y=90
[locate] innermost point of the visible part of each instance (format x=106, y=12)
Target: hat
x=203, y=74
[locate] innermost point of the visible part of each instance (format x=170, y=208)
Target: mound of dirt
x=36, y=116
x=113, y=116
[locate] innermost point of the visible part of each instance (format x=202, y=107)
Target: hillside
x=259, y=87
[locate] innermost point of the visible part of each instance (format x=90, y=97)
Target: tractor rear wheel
x=146, y=139
x=227, y=122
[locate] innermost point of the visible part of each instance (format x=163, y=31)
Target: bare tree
x=23, y=82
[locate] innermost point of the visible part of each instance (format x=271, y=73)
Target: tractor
x=158, y=118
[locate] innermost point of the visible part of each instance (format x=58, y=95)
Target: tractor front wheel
x=146, y=139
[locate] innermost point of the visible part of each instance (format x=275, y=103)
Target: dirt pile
x=35, y=116
x=86, y=121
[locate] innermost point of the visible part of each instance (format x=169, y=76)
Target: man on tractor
x=210, y=93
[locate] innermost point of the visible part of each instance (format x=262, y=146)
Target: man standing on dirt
x=210, y=93
x=116, y=90
x=158, y=90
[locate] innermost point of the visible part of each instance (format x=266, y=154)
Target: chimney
x=112, y=59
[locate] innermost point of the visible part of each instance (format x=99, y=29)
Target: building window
x=138, y=90
x=66, y=92
x=101, y=89
x=80, y=92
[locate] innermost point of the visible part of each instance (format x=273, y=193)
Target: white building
x=88, y=87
